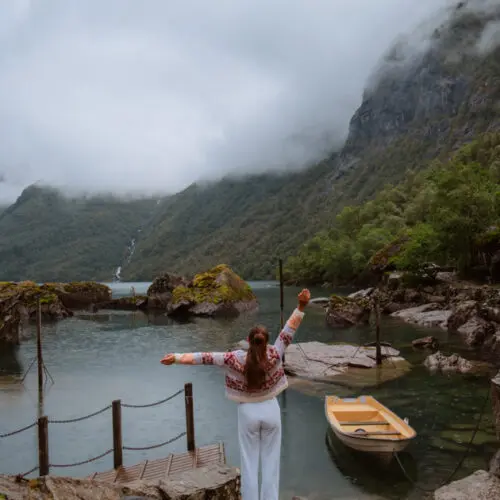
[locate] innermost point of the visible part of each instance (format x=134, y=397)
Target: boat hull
x=365, y=425
x=371, y=446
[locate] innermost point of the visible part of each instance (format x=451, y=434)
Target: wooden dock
x=160, y=468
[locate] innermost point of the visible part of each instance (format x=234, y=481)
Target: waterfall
x=130, y=250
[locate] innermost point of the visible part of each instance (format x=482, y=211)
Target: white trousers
x=259, y=436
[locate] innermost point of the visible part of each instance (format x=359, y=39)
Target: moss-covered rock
x=137, y=302
x=80, y=294
x=160, y=291
x=347, y=311
x=18, y=304
x=216, y=291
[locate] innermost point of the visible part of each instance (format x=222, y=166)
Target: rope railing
x=83, y=462
x=79, y=419
x=153, y=446
x=42, y=423
x=156, y=403
x=18, y=431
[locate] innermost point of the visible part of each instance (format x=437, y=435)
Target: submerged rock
x=426, y=343
x=126, y=303
x=477, y=486
x=455, y=363
x=344, y=311
x=217, y=482
x=335, y=362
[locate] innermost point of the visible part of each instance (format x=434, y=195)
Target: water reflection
x=10, y=363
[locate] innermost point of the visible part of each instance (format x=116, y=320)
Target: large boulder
x=462, y=313
x=344, y=311
x=477, y=486
x=79, y=294
x=160, y=291
x=18, y=304
x=476, y=331
x=218, y=291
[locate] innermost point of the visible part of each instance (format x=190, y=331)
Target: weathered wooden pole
x=188, y=397
x=39, y=350
x=43, y=446
x=378, y=355
x=282, y=301
x=117, y=434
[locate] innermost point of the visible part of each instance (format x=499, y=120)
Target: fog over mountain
x=147, y=97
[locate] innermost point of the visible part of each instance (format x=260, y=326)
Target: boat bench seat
x=368, y=422
x=375, y=433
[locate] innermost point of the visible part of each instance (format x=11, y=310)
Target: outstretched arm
x=286, y=335
x=195, y=358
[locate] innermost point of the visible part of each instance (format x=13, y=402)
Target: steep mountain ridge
x=419, y=107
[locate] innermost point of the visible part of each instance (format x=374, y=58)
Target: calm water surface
x=96, y=358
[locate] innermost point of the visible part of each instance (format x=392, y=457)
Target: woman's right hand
x=304, y=297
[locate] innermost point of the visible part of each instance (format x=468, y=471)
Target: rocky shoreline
x=216, y=292
x=217, y=482
x=463, y=309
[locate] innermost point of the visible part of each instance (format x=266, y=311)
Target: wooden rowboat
x=366, y=425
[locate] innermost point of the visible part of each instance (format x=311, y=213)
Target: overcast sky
x=148, y=96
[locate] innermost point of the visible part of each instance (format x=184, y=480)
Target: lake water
x=96, y=358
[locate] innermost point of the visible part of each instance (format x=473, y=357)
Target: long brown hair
x=255, y=366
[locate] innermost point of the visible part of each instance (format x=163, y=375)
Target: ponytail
x=255, y=367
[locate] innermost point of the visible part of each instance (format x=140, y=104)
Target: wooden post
x=188, y=396
x=39, y=347
x=282, y=301
x=43, y=446
x=117, y=434
x=282, y=319
x=378, y=355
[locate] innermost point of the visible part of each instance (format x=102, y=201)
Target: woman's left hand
x=168, y=359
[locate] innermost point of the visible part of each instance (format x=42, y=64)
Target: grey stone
x=477, y=486
x=454, y=363
x=495, y=464
x=217, y=482
x=425, y=315
x=321, y=362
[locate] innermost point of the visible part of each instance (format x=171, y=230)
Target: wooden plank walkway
x=160, y=468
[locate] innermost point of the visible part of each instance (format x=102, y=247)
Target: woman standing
x=254, y=379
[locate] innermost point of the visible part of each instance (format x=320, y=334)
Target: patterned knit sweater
x=233, y=363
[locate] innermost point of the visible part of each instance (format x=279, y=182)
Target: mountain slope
x=419, y=109
x=47, y=237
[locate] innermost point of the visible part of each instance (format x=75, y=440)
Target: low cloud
x=147, y=97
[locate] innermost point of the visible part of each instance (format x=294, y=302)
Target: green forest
x=447, y=214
